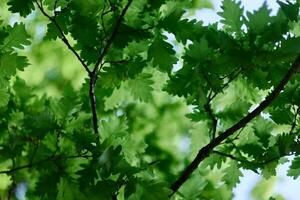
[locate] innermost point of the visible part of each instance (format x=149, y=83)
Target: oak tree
x=138, y=99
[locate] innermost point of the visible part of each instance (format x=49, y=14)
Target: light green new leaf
x=269, y=170
x=294, y=170
x=113, y=128
x=232, y=175
x=4, y=97
x=9, y=63
x=141, y=87
x=17, y=38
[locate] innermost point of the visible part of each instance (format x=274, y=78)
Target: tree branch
x=93, y=80
x=63, y=37
x=214, y=121
x=94, y=74
x=49, y=159
x=206, y=150
x=112, y=37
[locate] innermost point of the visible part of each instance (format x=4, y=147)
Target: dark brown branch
x=62, y=36
x=206, y=150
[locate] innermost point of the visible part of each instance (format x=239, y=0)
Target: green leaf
x=152, y=190
x=232, y=175
x=59, y=3
x=4, y=97
x=23, y=7
x=108, y=160
x=63, y=20
x=3, y=35
x=214, y=160
x=67, y=190
x=162, y=54
x=269, y=170
x=17, y=37
x=294, y=170
x=141, y=87
x=9, y=63
x=199, y=51
x=46, y=187
x=193, y=188
x=290, y=10
x=263, y=129
x=285, y=143
x=155, y=191
x=232, y=15
x=281, y=116
x=290, y=45
x=85, y=31
x=259, y=20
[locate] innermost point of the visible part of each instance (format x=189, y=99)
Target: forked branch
x=99, y=64
x=93, y=74
x=206, y=150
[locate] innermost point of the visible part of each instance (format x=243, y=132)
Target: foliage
x=97, y=102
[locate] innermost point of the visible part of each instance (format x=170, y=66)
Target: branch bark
x=93, y=80
x=206, y=150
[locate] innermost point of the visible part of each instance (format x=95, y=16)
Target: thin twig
x=242, y=160
x=294, y=124
x=209, y=111
x=62, y=35
x=214, y=120
x=206, y=150
x=112, y=37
